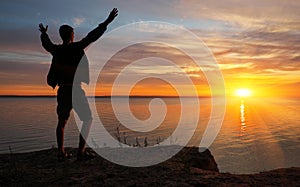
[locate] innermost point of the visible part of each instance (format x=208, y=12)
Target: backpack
x=51, y=77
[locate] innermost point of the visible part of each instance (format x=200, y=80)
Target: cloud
x=28, y=68
x=249, y=38
x=273, y=14
x=13, y=73
x=262, y=48
x=78, y=21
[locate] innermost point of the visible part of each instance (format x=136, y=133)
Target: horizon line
x=137, y=96
x=109, y=96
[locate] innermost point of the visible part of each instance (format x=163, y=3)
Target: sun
x=243, y=92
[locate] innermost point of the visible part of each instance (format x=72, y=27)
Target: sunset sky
x=255, y=42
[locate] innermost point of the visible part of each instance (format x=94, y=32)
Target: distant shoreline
x=102, y=96
x=136, y=96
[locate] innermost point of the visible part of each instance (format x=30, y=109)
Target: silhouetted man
x=65, y=61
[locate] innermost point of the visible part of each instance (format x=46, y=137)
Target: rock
x=191, y=157
x=187, y=168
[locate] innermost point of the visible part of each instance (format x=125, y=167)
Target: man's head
x=66, y=33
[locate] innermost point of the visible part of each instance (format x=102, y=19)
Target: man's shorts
x=65, y=105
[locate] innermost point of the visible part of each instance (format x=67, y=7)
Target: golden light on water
x=242, y=118
x=243, y=92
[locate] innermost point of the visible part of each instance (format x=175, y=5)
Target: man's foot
x=63, y=156
x=85, y=155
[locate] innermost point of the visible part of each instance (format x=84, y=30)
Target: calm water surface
x=256, y=135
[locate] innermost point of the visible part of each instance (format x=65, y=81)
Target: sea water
x=256, y=134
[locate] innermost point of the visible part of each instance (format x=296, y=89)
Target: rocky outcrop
x=188, y=168
x=191, y=157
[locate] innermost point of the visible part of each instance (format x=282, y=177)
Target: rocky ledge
x=188, y=168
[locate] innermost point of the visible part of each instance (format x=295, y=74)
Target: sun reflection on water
x=242, y=118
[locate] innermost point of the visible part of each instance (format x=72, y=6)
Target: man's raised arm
x=97, y=32
x=46, y=42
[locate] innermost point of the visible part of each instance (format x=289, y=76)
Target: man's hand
x=42, y=28
x=111, y=16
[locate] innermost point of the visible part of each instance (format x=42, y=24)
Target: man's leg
x=86, y=125
x=82, y=108
x=64, y=107
x=60, y=136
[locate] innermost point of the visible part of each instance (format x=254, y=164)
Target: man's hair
x=65, y=32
